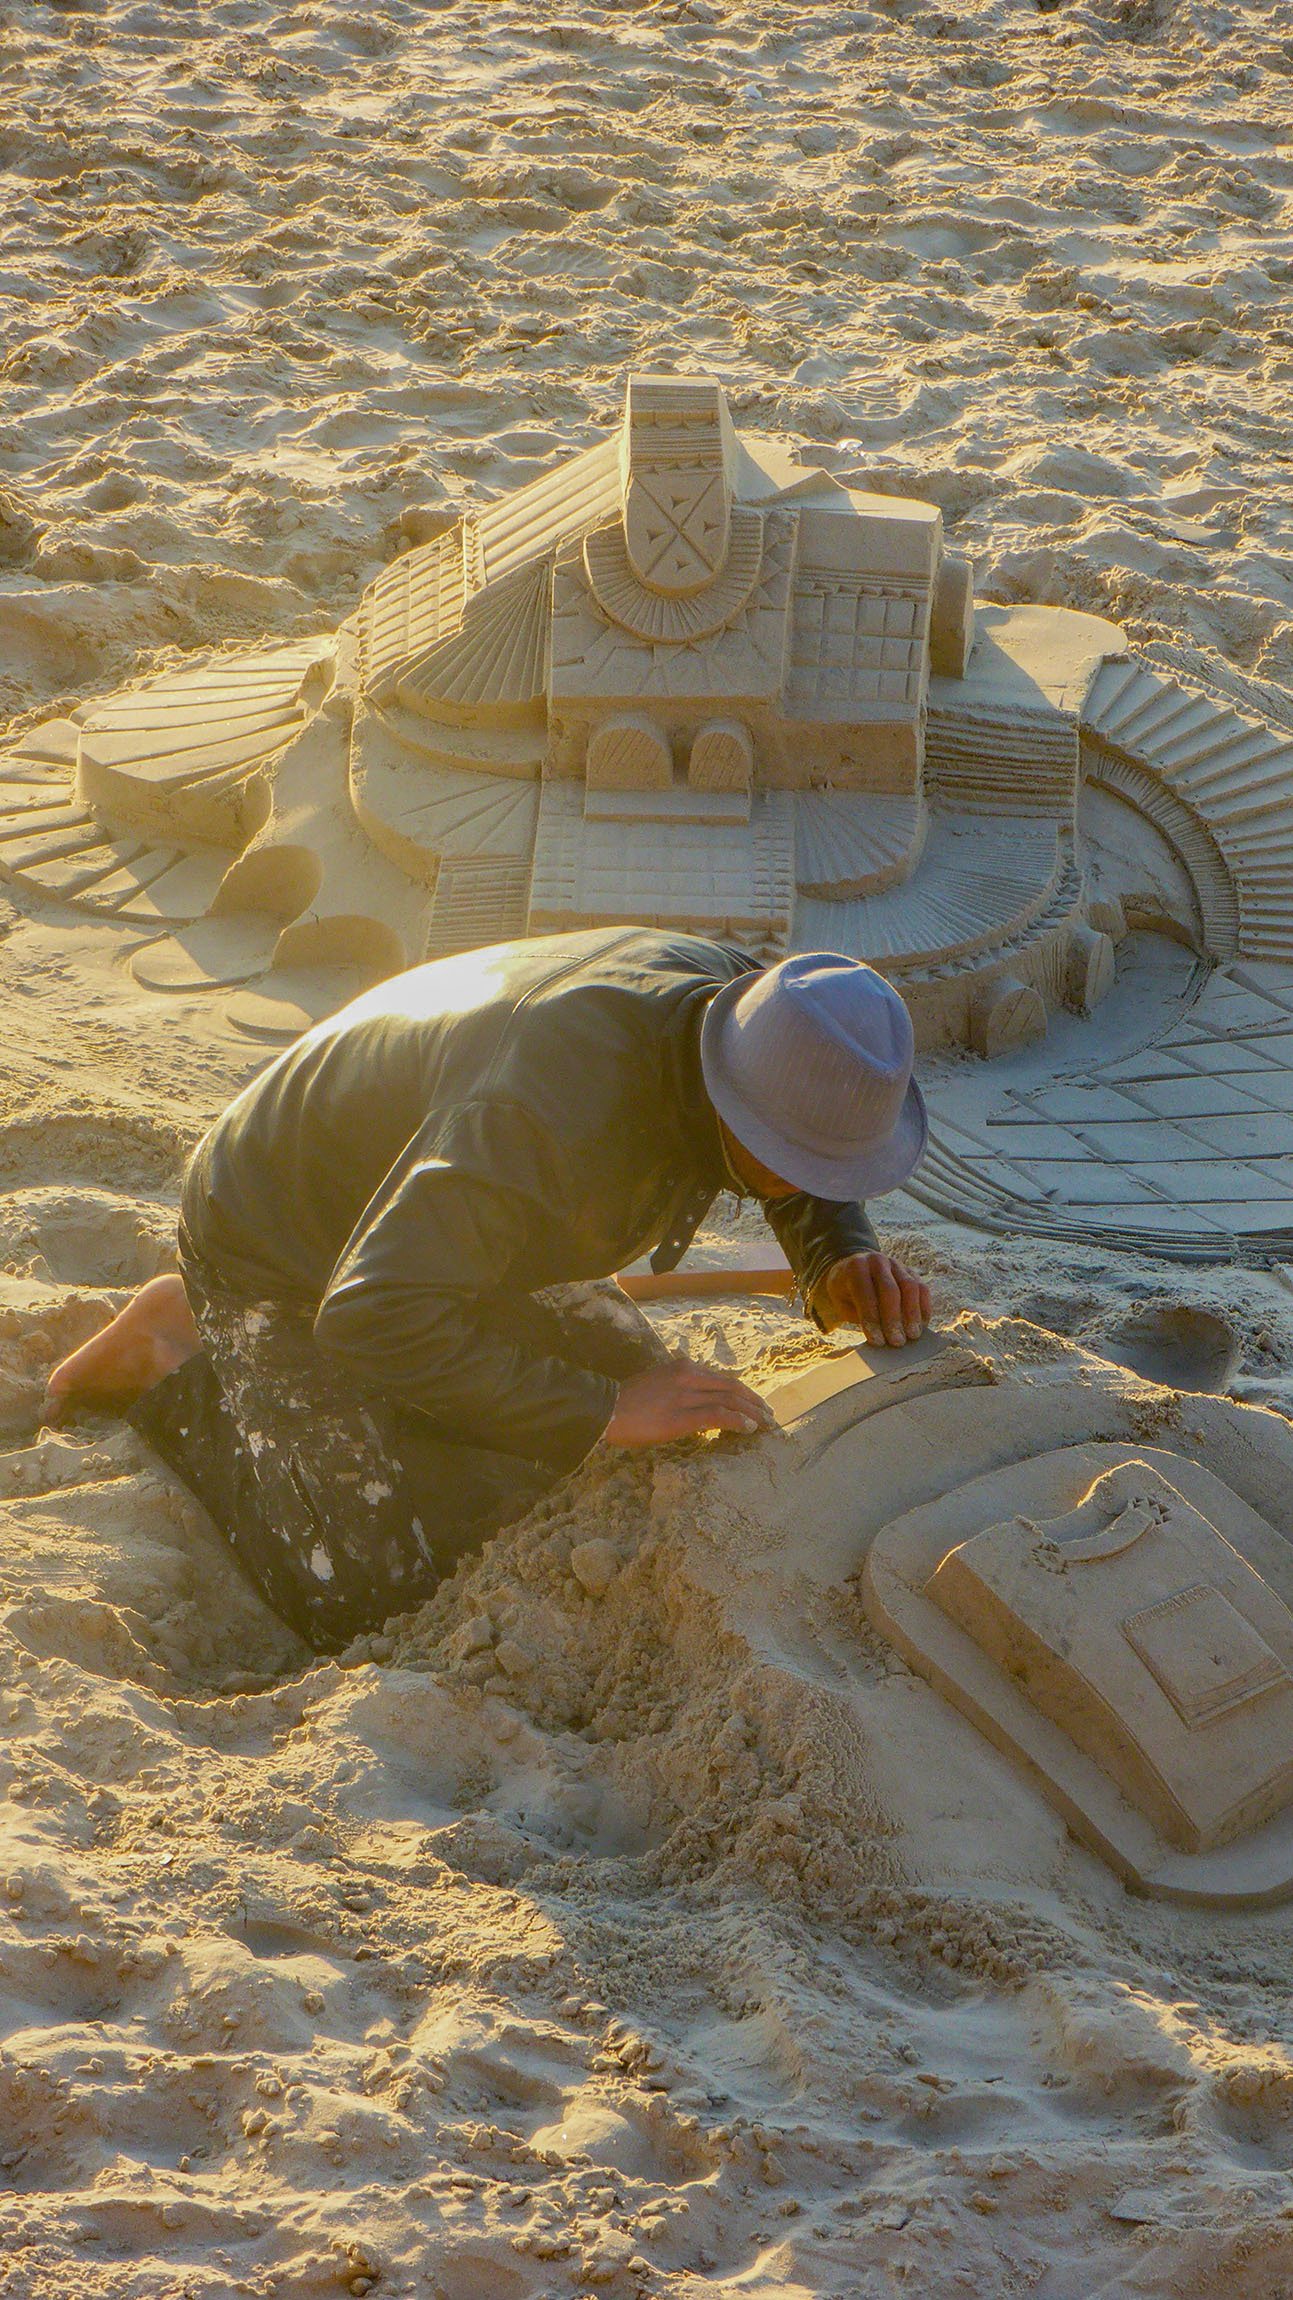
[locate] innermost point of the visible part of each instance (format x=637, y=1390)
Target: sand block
x=678, y=502
x=1132, y=1622
x=680, y=803
x=722, y=758
x=629, y=752
x=859, y=647
x=1004, y=1014
x=212, y=955
x=1126, y=1634
x=1089, y=971
x=951, y=631
x=289, y=1000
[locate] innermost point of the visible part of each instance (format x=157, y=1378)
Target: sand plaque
x=1135, y=1626
x=1132, y=1648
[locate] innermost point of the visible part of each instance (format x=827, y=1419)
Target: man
x=363, y=1367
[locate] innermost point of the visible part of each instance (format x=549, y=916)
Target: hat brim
x=884, y=1165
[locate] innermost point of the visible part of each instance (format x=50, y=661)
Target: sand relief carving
x=1113, y=1618
x=1132, y=1623
x=1134, y=1651
x=685, y=680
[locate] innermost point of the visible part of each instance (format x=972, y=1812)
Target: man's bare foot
x=153, y=1335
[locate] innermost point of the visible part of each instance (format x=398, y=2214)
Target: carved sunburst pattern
x=656, y=616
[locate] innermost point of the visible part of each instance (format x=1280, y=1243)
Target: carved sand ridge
x=684, y=681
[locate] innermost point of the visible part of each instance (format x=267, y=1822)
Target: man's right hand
x=680, y=1401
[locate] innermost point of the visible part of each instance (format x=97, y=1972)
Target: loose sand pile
x=631, y=1920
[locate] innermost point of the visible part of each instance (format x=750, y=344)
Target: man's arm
x=844, y=1275
x=403, y=1305
x=815, y=1233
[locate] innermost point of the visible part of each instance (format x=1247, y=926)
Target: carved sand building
x=687, y=681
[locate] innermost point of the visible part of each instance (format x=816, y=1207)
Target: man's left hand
x=882, y=1296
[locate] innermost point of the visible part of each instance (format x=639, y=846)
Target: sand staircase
x=61, y=851
x=1233, y=775
x=850, y=843
x=976, y=886
x=134, y=807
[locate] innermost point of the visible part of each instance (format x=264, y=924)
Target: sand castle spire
x=679, y=456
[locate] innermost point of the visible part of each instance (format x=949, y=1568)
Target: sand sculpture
x=686, y=680
x=978, y=1594
x=1113, y=1612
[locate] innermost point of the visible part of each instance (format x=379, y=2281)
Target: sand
x=631, y=1921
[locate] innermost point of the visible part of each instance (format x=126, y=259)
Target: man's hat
x=809, y=1064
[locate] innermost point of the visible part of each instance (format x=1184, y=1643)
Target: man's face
x=757, y=1178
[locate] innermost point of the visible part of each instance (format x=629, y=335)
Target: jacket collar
x=703, y=1168
x=704, y=1142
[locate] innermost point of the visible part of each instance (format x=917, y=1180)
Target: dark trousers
x=345, y=1507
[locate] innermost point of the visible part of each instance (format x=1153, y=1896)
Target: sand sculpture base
x=686, y=681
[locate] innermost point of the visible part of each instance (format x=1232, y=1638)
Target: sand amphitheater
x=848, y=1865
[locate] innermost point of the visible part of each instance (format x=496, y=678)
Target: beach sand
x=631, y=1920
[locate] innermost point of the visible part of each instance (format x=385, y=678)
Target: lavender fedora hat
x=809, y=1064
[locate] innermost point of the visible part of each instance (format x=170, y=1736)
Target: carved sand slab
x=854, y=1383
x=1118, y=1620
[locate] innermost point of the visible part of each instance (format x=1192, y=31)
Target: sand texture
x=633, y=1920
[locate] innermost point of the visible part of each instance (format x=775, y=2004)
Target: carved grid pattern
x=477, y=902
x=856, y=641
x=734, y=878
x=1185, y=1148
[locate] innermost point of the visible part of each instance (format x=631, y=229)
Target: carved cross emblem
x=676, y=525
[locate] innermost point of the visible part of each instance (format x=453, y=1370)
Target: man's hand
x=678, y=1401
x=880, y=1295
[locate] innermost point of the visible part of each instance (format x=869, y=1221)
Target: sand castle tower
x=716, y=669
x=684, y=680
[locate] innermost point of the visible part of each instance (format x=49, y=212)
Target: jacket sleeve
x=404, y=1307
x=814, y=1234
